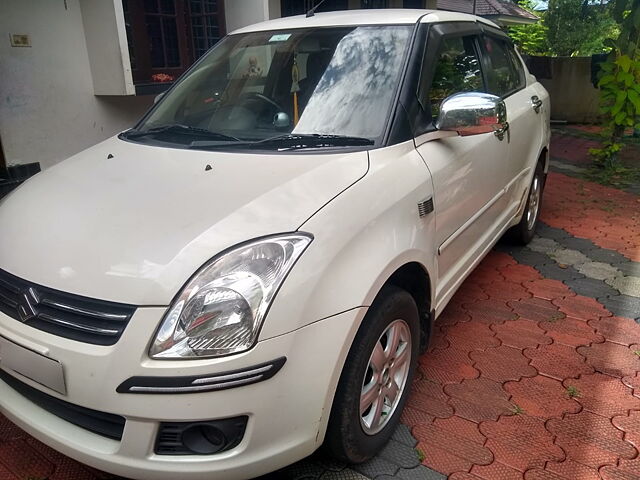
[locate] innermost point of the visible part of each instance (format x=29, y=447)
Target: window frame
x=140, y=43
x=512, y=56
x=421, y=118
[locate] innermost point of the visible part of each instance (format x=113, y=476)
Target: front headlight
x=221, y=309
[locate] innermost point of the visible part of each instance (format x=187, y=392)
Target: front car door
x=505, y=77
x=469, y=173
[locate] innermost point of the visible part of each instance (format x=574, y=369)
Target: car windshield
x=317, y=87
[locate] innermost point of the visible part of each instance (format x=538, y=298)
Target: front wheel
x=376, y=378
x=524, y=231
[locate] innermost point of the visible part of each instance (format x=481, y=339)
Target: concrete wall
x=573, y=96
x=48, y=110
x=240, y=13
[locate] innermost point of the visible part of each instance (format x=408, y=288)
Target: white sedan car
x=252, y=271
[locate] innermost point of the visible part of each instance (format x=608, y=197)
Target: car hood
x=132, y=223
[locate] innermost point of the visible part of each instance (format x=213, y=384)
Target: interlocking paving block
x=590, y=287
x=469, y=292
x=627, y=470
x=447, y=452
x=554, y=271
x=611, y=358
x=502, y=363
x=428, y=396
x=412, y=417
x=519, y=273
x=498, y=259
x=548, y=289
x=483, y=274
x=329, y=463
x=630, y=425
x=520, y=334
x=626, y=285
x=571, y=331
x=450, y=365
x=9, y=431
x=633, y=381
x=572, y=470
x=581, y=307
x=496, y=471
x=375, y=467
x=541, y=397
x=623, y=305
x=569, y=257
x=575, y=243
x=521, y=442
x=558, y=361
x=462, y=428
x=419, y=473
x=536, y=309
x=302, y=470
x=617, y=329
x=590, y=439
x=545, y=230
x=505, y=290
x=479, y=399
x=628, y=267
x=471, y=336
x=490, y=311
x=529, y=257
x=402, y=455
x=64, y=467
x=598, y=270
x=543, y=245
x=453, y=314
x=607, y=256
x=346, y=474
x=23, y=461
x=403, y=435
x=603, y=394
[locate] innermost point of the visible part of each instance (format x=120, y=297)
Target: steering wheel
x=264, y=99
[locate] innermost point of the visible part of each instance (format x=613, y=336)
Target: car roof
x=387, y=16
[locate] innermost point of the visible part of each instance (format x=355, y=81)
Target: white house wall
x=48, y=110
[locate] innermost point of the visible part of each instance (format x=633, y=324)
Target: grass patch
x=421, y=455
x=573, y=392
x=516, y=410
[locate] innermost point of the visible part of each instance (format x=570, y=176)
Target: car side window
x=504, y=71
x=456, y=69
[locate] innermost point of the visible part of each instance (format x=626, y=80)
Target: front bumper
x=287, y=413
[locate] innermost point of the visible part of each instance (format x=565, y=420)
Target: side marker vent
x=425, y=207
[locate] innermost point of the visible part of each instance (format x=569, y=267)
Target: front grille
x=63, y=314
x=105, y=424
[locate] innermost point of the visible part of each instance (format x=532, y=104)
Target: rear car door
x=468, y=172
x=505, y=77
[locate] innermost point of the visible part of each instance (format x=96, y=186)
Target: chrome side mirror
x=473, y=113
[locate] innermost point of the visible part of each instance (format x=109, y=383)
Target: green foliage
x=575, y=27
x=531, y=39
x=572, y=391
x=620, y=85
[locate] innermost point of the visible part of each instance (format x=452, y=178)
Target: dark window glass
x=457, y=69
x=503, y=76
x=160, y=17
x=205, y=30
x=299, y=7
x=413, y=4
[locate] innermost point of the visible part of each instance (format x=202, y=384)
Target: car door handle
x=501, y=131
x=536, y=103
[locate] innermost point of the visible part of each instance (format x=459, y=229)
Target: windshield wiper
x=295, y=141
x=179, y=128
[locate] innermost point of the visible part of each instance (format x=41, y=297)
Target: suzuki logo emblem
x=27, y=305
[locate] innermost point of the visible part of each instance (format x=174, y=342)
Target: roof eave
x=511, y=19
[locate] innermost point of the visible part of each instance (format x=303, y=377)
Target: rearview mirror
x=473, y=113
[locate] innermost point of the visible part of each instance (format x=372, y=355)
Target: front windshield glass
x=253, y=87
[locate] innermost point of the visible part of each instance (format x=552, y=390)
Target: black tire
x=523, y=232
x=346, y=438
